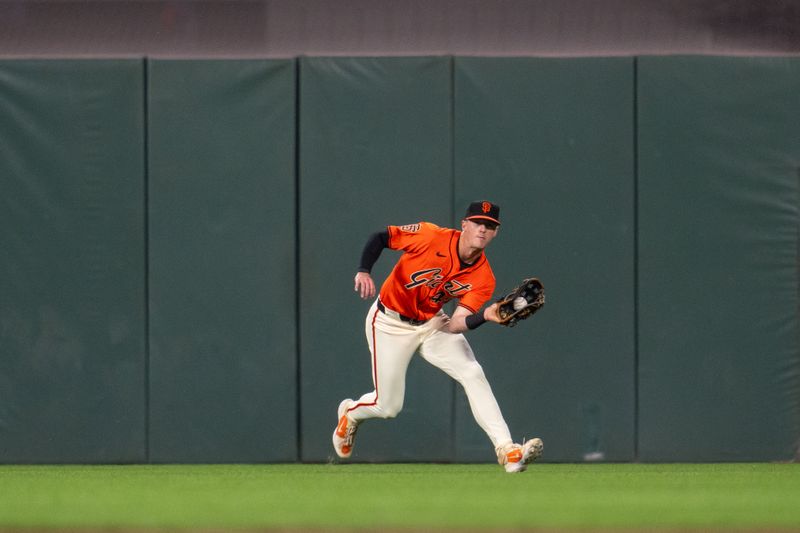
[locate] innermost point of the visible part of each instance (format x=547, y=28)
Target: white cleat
x=516, y=458
x=345, y=433
x=532, y=450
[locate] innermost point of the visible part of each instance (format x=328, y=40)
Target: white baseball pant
x=393, y=342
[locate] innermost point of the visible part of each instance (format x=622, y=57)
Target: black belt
x=407, y=319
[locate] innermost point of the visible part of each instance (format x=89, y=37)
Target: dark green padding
x=221, y=227
x=72, y=260
x=551, y=141
x=718, y=235
x=374, y=150
x=169, y=189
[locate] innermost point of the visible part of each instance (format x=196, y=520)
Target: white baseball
x=519, y=303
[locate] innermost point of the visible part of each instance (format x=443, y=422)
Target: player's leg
x=391, y=344
x=453, y=354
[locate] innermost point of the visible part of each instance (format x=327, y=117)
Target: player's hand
x=490, y=313
x=365, y=287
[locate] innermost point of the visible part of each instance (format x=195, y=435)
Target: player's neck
x=467, y=254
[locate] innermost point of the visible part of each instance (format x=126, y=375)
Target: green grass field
x=719, y=497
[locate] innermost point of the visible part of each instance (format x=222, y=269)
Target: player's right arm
x=364, y=285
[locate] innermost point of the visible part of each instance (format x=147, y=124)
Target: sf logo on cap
x=486, y=207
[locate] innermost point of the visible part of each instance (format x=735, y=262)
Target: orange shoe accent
x=514, y=456
x=346, y=449
x=341, y=429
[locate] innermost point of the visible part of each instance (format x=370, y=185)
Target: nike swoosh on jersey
x=440, y=254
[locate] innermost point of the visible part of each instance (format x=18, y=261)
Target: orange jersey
x=429, y=273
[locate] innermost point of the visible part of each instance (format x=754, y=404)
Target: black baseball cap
x=483, y=210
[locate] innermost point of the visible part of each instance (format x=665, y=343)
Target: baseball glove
x=521, y=303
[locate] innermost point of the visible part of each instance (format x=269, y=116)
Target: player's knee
x=391, y=410
x=473, y=372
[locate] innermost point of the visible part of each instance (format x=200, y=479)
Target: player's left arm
x=464, y=319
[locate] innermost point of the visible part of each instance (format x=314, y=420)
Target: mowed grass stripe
x=709, y=496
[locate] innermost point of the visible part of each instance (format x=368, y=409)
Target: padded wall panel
x=718, y=207
x=551, y=141
x=375, y=149
x=222, y=261
x=72, y=301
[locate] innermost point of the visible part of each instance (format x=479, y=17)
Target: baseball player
x=437, y=265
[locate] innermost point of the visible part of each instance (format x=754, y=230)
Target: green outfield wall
x=552, y=142
x=719, y=169
x=221, y=257
x=375, y=149
x=178, y=240
x=73, y=318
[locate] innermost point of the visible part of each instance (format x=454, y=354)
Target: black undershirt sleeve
x=372, y=250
